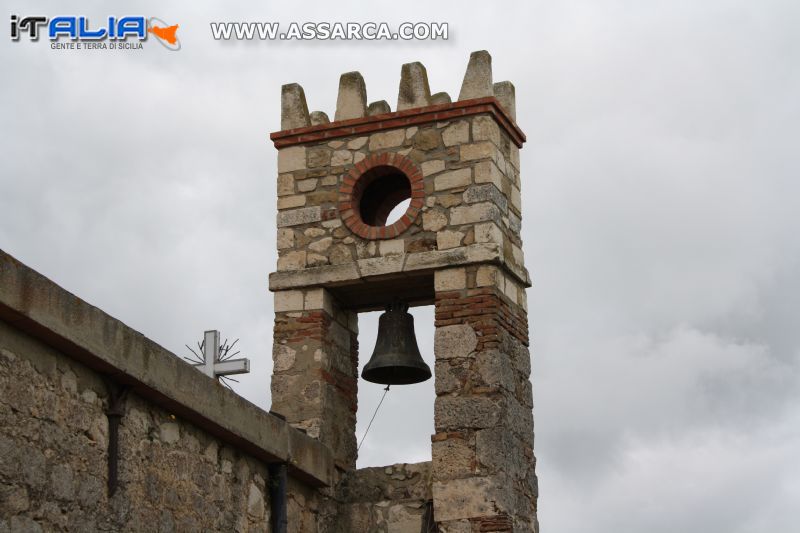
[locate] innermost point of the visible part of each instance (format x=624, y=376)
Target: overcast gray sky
x=659, y=212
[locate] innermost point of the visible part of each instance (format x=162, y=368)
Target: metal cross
x=212, y=366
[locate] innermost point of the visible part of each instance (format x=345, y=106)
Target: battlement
x=457, y=163
x=415, y=105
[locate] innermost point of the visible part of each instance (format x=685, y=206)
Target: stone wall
x=388, y=499
x=192, y=455
x=53, y=457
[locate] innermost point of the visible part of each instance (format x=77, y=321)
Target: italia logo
x=114, y=33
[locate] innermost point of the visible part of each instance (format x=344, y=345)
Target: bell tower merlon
x=457, y=246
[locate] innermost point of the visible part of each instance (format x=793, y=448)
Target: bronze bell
x=396, y=359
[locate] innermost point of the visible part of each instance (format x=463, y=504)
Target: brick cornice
x=399, y=119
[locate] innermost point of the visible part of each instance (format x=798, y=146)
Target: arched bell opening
x=403, y=425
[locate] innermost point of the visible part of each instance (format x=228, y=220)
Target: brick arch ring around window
x=375, y=186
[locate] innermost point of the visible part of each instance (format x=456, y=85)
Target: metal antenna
x=216, y=360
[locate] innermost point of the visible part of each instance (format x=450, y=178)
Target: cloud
x=660, y=218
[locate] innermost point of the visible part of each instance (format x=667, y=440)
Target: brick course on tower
x=457, y=246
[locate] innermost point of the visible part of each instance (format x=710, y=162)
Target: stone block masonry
x=315, y=360
x=484, y=426
x=387, y=498
x=467, y=153
x=457, y=245
x=468, y=195
x=53, y=455
x=193, y=456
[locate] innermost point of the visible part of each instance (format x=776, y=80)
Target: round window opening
x=382, y=196
x=378, y=192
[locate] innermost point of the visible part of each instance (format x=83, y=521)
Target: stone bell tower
x=458, y=247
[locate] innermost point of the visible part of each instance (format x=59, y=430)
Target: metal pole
x=277, y=496
x=114, y=413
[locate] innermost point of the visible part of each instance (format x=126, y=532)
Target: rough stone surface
x=516, y=199
x=53, y=467
x=392, y=498
x=319, y=157
x=357, y=143
x=283, y=357
x=285, y=238
x=453, y=179
x=321, y=245
x=289, y=301
x=297, y=217
x=341, y=157
x=487, y=172
x=352, y=99
x=294, y=260
x=484, y=425
x=484, y=128
x=313, y=260
x=474, y=213
x=291, y=159
x=486, y=276
x=454, y=341
x=379, y=108
x=478, y=150
x=307, y=185
x=488, y=232
x=456, y=133
x=315, y=390
x=427, y=139
x=285, y=184
x=478, y=78
x=386, y=139
x=319, y=117
x=288, y=202
x=414, y=89
x=448, y=239
x=294, y=111
x=440, y=98
x=453, y=413
x=432, y=167
x=467, y=498
x=434, y=220
x=506, y=94
x=393, y=247
x=486, y=193
x=450, y=279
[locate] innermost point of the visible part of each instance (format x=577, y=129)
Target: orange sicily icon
x=166, y=34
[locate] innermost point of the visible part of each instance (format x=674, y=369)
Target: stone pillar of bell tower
x=457, y=246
